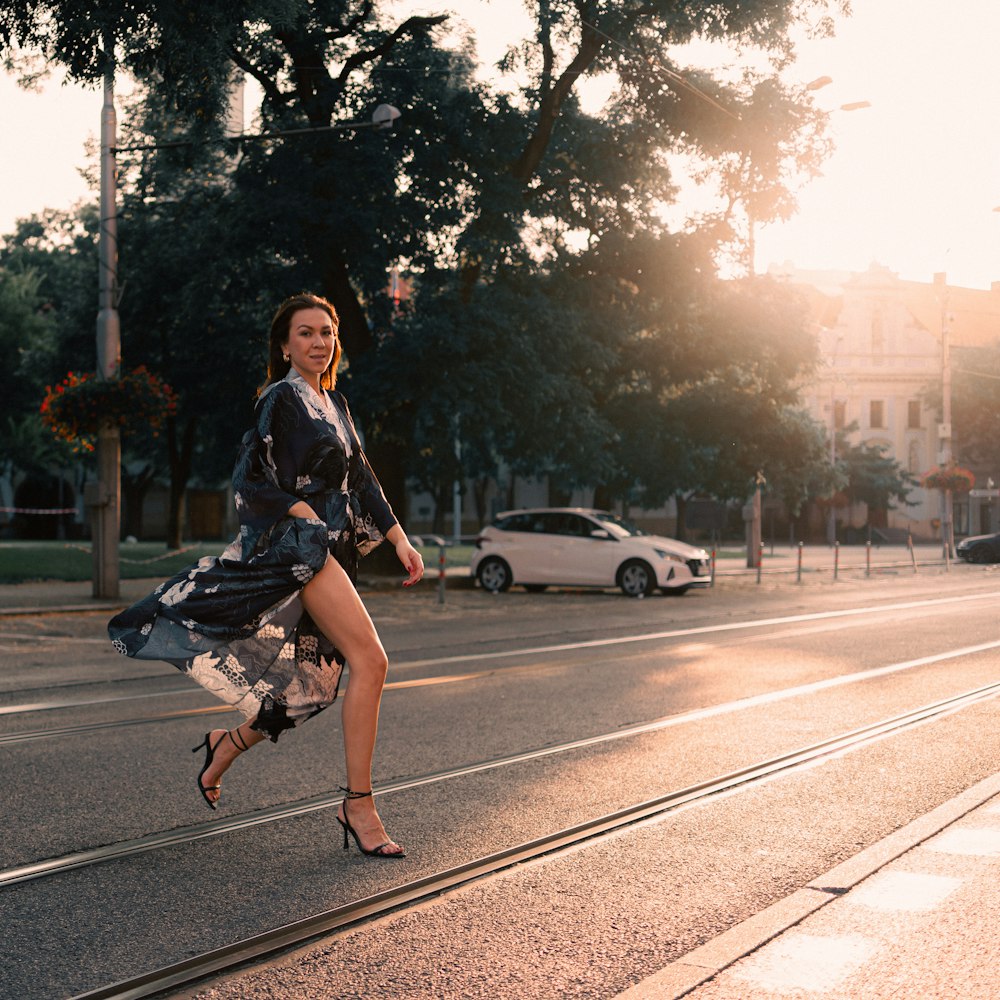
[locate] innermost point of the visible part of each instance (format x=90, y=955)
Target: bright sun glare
x=912, y=184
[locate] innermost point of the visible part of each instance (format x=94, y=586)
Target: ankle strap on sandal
x=233, y=739
x=348, y=794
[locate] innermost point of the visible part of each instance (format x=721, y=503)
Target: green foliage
x=872, y=476
x=557, y=326
x=28, y=338
x=975, y=406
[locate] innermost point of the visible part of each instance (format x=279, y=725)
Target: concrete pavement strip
x=699, y=966
x=47, y=596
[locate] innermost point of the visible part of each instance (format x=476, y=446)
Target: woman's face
x=311, y=341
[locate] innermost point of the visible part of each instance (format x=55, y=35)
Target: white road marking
x=697, y=630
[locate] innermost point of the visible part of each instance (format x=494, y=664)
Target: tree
x=871, y=476
x=513, y=209
x=975, y=406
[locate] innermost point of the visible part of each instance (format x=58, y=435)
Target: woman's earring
x=284, y=357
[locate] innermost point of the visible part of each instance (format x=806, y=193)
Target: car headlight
x=668, y=555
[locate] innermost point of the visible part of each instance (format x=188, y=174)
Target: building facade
x=884, y=343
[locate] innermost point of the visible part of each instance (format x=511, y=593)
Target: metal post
x=836, y=559
x=947, y=528
x=106, y=516
x=441, y=574
x=760, y=560
x=868, y=558
x=913, y=555
x=754, y=523
x=456, y=488
x=711, y=581
x=798, y=572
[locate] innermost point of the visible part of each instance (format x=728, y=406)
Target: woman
x=268, y=625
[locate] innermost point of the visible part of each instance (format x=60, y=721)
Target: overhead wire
x=672, y=75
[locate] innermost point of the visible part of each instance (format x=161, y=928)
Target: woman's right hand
x=301, y=509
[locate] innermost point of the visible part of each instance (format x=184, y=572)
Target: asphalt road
x=743, y=672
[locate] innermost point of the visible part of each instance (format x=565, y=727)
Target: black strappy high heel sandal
x=375, y=852
x=209, y=756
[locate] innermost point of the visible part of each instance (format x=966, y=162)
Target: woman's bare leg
x=226, y=748
x=336, y=608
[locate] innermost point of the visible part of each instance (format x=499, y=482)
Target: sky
x=912, y=184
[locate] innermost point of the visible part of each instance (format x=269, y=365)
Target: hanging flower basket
x=948, y=477
x=74, y=409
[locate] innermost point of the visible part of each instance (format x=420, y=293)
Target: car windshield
x=618, y=526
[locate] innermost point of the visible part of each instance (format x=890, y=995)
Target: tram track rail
x=325, y=801
x=301, y=932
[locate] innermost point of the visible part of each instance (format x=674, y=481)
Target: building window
x=914, y=465
x=876, y=413
x=839, y=414
x=913, y=414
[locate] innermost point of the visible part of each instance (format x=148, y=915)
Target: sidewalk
x=913, y=916
x=43, y=596
x=824, y=559
x=780, y=562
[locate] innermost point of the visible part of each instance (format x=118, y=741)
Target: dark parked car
x=980, y=548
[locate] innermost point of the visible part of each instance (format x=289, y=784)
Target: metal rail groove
x=302, y=931
x=214, y=828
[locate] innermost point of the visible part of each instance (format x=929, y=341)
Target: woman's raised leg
x=223, y=747
x=336, y=608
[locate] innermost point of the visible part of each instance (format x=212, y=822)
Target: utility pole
x=947, y=507
x=105, y=502
x=752, y=514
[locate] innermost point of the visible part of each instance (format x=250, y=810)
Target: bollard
x=760, y=560
x=913, y=555
x=711, y=581
x=441, y=561
x=836, y=559
x=798, y=570
x=868, y=558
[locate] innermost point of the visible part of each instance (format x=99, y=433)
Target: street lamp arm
x=380, y=121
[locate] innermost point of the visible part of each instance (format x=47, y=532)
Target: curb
x=56, y=609
x=372, y=584
x=680, y=977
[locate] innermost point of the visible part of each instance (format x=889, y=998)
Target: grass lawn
x=21, y=562
x=24, y=561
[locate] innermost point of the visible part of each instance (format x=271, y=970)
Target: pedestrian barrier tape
x=37, y=510
x=142, y=562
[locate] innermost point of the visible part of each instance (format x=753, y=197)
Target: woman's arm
x=264, y=464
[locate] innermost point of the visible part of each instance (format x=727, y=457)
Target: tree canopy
x=557, y=324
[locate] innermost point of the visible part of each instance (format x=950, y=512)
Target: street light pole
x=831, y=523
x=947, y=528
x=106, y=504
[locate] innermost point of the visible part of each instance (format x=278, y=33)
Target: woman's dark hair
x=281, y=325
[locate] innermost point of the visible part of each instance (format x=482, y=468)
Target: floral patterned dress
x=235, y=623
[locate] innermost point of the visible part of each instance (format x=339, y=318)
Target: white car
x=576, y=547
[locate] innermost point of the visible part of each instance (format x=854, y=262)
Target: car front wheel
x=494, y=575
x=636, y=578
x=981, y=554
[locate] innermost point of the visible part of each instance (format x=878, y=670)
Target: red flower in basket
x=75, y=408
x=949, y=477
